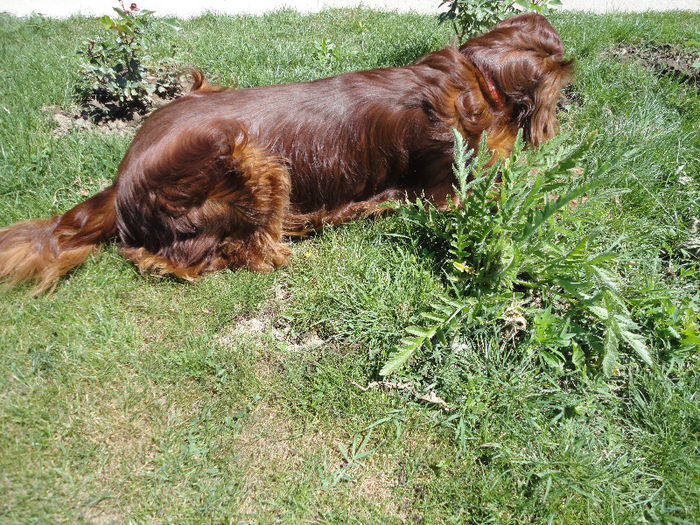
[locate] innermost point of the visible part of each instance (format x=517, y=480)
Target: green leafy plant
x=513, y=261
x=471, y=17
x=326, y=53
x=115, y=68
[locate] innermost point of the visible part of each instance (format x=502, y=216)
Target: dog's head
x=523, y=68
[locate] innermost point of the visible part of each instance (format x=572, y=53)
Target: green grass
x=128, y=397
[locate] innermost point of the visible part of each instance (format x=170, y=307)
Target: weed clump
x=515, y=262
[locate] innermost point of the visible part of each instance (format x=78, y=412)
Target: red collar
x=495, y=95
x=489, y=87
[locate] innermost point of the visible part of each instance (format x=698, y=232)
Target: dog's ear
x=541, y=124
x=523, y=55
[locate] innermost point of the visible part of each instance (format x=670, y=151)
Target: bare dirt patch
x=569, y=98
x=97, y=112
x=268, y=322
x=664, y=59
x=275, y=339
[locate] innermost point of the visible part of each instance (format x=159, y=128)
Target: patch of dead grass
x=269, y=448
x=127, y=443
x=274, y=453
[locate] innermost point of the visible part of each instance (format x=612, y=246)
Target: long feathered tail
x=43, y=250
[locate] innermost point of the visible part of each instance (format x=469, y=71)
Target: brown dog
x=214, y=179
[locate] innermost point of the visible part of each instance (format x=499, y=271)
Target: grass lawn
x=243, y=397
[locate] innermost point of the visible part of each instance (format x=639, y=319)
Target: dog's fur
x=214, y=179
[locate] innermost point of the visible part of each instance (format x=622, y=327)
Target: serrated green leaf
x=551, y=359
x=578, y=357
x=446, y=310
x=578, y=250
x=690, y=337
x=532, y=195
x=434, y=317
x=421, y=331
x=606, y=277
x=411, y=342
x=674, y=333
x=600, y=312
x=396, y=361
x=600, y=258
x=539, y=217
x=625, y=322
x=572, y=287
x=610, y=353
x=450, y=302
x=637, y=344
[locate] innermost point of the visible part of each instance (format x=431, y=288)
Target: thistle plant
x=507, y=251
